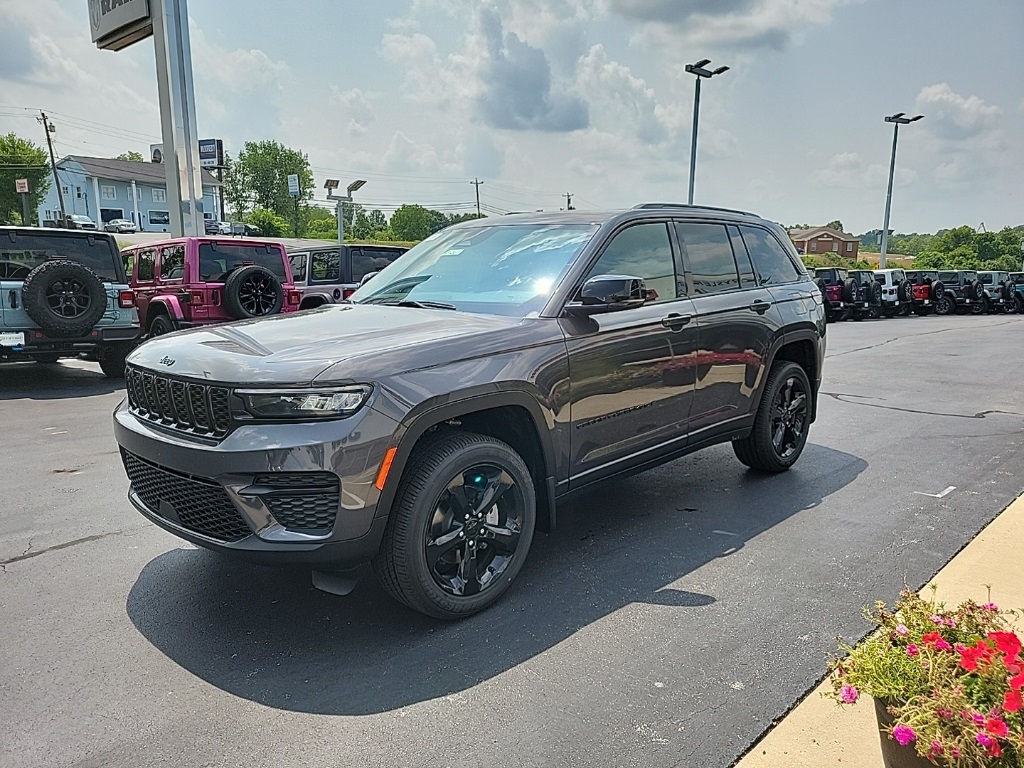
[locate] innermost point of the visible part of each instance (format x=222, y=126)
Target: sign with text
x=211, y=153
x=293, y=184
x=21, y=186
x=116, y=24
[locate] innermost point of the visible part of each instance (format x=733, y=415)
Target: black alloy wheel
x=68, y=298
x=258, y=295
x=782, y=421
x=160, y=325
x=944, y=305
x=981, y=306
x=475, y=530
x=460, y=525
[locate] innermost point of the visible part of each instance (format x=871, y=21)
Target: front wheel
x=111, y=360
x=460, y=527
x=782, y=421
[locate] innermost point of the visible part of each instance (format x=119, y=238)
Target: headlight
x=299, y=404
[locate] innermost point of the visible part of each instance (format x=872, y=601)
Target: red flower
x=1012, y=701
x=979, y=653
x=1017, y=681
x=997, y=727
x=1007, y=643
x=936, y=641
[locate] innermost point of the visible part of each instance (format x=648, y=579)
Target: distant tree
x=378, y=221
x=258, y=178
x=132, y=155
x=836, y=224
x=270, y=223
x=411, y=222
x=21, y=159
x=236, y=194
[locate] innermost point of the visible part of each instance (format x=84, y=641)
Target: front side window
x=172, y=263
x=325, y=266
x=771, y=262
x=501, y=269
x=708, y=254
x=644, y=251
x=146, y=261
x=298, y=262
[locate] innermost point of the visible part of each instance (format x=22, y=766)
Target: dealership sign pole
x=117, y=24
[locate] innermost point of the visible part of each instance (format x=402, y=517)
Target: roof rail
x=643, y=206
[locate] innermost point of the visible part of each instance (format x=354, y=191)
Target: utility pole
x=476, y=183
x=568, y=201
x=48, y=128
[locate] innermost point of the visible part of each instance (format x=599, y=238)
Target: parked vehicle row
x=886, y=293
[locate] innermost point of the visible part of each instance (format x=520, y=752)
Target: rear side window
x=771, y=262
x=644, y=251
x=218, y=260
x=739, y=250
x=172, y=263
x=25, y=252
x=970, y=277
x=948, y=277
x=147, y=262
x=366, y=260
x=708, y=253
x=298, y=262
x=325, y=266
x=986, y=279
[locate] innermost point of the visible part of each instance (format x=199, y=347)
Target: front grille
x=188, y=406
x=194, y=503
x=302, y=501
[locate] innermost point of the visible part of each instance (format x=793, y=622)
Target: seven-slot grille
x=195, y=503
x=189, y=406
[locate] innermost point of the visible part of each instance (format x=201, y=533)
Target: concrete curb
x=818, y=733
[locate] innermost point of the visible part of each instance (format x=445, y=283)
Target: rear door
x=15, y=264
x=143, y=281
x=736, y=320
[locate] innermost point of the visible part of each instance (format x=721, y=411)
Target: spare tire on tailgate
x=938, y=290
x=253, y=291
x=66, y=299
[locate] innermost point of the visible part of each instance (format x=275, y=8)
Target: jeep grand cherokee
x=430, y=424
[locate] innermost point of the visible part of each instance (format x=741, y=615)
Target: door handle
x=760, y=306
x=675, y=321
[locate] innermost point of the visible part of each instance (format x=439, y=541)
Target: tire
x=1018, y=303
x=47, y=358
x=111, y=359
x=905, y=291
x=850, y=290
x=938, y=290
x=981, y=307
x=977, y=291
x=873, y=291
x=760, y=450
x=945, y=305
x=253, y=291
x=1010, y=293
x=65, y=298
x=402, y=563
x=858, y=315
x=161, y=324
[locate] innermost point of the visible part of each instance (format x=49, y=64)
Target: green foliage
x=271, y=224
x=412, y=222
x=21, y=159
x=812, y=261
x=132, y=155
x=258, y=178
x=836, y=224
x=322, y=229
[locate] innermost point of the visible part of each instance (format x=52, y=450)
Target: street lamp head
x=702, y=63
x=331, y=184
x=720, y=70
x=915, y=119
x=356, y=185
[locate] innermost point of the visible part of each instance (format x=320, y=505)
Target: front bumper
x=216, y=495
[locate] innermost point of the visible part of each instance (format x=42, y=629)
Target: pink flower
x=936, y=748
x=950, y=622
x=902, y=631
x=912, y=649
x=904, y=734
x=936, y=619
x=985, y=740
x=978, y=719
x=942, y=645
x=849, y=694
x=945, y=714
x=990, y=607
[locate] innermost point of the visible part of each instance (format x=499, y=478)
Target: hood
x=359, y=342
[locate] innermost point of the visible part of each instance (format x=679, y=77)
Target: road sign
x=293, y=184
x=21, y=186
x=211, y=153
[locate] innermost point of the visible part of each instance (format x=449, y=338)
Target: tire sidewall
x=421, y=507
x=160, y=320
x=233, y=285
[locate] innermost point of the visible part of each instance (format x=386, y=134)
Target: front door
x=631, y=372
x=736, y=321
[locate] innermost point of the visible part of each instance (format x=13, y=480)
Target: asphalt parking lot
x=668, y=622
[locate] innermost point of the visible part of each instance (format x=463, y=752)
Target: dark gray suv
x=433, y=421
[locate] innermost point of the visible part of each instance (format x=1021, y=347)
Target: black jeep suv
x=438, y=417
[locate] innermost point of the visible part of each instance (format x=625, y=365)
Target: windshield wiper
x=412, y=303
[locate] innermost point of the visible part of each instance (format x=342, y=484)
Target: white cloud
x=848, y=170
x=958, y=118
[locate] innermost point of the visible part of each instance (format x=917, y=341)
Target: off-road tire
x=1018, y=303
x=873, y=293
x=47, y=358
x=938, y=290
x=235, y=300
x=111, y=359
x=849, y=290
x=161, y=324
x=945, y=305
x=37, y=297
x=982, y=306
x=977, y=290
x=401, y=563
x=905, y=292
x=757, y=450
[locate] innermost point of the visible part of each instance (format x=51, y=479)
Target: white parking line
x=937, y=495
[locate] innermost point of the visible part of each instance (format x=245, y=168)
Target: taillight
x=964, y=288
x=197, y=298
x=126, y=299
x=294, y=297
x=347, y=292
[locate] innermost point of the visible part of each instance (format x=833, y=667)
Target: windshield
x=504, y=269
x=27, y=252
x=218, y=260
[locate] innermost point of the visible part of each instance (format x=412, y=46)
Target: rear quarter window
x=21, y=253
x=218, y=260
x=771, y=262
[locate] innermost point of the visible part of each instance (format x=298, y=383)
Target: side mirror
x=367, y=278
x=609, y=293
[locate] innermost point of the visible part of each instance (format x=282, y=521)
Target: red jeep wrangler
x=202, y=280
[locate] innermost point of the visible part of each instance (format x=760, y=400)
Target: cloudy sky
x=538, y=98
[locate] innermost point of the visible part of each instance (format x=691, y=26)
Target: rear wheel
x=47, y=358
x=981, y=307
x=460, y=527
x=1018, y=303
x=780, y=426
x=160, y=325
x=944, y=305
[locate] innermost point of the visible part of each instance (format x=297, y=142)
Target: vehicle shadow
x=266, y=635
x=32, y=381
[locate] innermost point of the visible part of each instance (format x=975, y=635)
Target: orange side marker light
x=385, y=467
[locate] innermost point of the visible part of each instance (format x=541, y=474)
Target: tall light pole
x=332, y=184
x=898, y=119
x=699, y=70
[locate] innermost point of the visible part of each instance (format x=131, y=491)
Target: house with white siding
x=104, y=189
